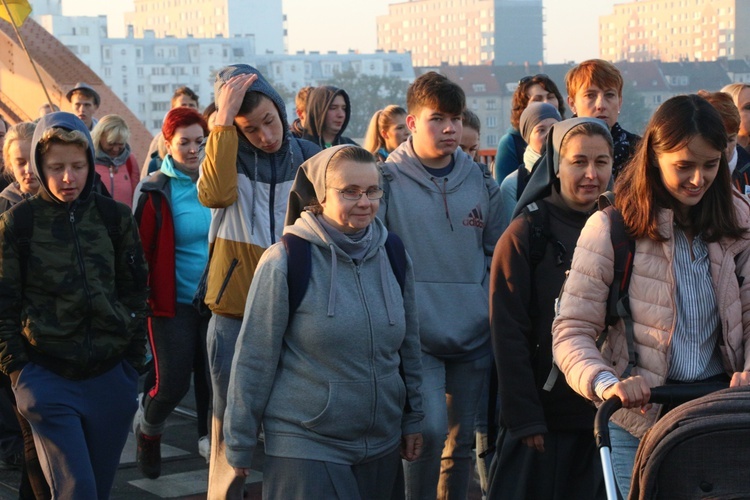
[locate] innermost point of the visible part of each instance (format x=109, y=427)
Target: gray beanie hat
x=534, y=113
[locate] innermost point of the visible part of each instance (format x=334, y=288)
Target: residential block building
x=471, y=32
x=676, y=30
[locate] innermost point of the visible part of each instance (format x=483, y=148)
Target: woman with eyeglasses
x=333, y=378
x=510, y=150
x=174, y=232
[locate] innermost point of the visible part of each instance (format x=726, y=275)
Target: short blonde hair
x=734, y=90
x=111, y=128
x=23, y=131
x=57, y=135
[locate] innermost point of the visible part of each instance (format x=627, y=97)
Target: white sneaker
x=204, y=448
x=138, y=413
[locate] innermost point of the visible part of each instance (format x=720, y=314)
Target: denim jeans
x=450, y=393
x=624, y=446
x=220, y=340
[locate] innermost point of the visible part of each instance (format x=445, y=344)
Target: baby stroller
x=700, y=449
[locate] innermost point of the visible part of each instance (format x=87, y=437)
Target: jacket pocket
x=224, y=283
x=390, y=409
x=348, y=412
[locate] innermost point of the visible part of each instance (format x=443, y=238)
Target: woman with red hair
x=174, y=231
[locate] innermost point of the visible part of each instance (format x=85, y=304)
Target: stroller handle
x=665, y=394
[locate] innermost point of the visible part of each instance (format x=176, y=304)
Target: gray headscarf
x=541, y=181
x=310, y=183
x=534, y=113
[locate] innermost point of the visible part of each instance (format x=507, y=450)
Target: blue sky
x=571, y=25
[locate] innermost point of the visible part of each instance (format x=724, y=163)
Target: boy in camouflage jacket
x=72, y=310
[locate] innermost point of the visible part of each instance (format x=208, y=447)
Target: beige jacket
x=583, y=309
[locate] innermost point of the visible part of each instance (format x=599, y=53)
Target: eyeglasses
x=356, y=194
x=526, y=79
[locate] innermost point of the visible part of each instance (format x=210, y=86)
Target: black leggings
x=179, y=347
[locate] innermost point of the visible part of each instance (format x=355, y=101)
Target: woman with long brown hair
x=687, y=293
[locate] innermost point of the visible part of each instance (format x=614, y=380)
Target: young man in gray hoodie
x=446, y=208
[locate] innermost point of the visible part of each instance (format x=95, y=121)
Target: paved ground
x=184, y=471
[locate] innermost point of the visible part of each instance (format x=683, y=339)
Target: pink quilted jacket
x=583, y=308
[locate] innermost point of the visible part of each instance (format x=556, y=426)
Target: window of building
x=491, y=121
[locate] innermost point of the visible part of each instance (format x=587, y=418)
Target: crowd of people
x=381, y=320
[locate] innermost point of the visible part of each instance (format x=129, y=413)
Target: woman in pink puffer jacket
x=689, y=298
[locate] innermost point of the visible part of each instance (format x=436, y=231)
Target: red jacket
x=156, y=226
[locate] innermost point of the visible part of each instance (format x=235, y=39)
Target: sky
x=571, y=26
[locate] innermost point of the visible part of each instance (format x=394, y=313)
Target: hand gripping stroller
x=671, y=395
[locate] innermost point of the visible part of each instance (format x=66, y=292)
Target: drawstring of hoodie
x=255, y=183
x=385, y=271
x=443, y=191
x=332, y=291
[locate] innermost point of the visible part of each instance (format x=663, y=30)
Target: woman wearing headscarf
x=536, y=121
x=545, y=448
x=333, y=378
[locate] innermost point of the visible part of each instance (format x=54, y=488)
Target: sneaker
x=148, y=454
x=138, y=413
x=204, y=448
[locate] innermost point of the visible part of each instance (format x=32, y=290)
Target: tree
x=367, y=94
x=634, y=114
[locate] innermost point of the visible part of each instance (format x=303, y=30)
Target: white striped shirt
x=694, y=345
x=695, y=352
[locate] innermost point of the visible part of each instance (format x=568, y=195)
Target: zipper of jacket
x=271, y=199
x=112, y=180
x=87, y=338
x=373, y=376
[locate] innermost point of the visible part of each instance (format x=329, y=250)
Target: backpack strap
x=396, y=252
x=111, y=215
x=618, y=300
x=23, y=227
x=299, y=268
x=537, y=216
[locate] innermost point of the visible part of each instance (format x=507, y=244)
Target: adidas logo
x=475, y=218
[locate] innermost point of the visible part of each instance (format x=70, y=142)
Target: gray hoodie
x=325, y=383
x=449, y=226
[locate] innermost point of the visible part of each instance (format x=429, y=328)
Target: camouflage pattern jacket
x=81, y=308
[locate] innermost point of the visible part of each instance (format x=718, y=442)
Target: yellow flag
x=20, y=9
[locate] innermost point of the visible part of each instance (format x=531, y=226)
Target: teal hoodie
x=325, y=383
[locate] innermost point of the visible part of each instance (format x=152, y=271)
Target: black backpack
x=618, y=302
x=299, y=265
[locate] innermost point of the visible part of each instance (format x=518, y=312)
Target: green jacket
x=82, y=306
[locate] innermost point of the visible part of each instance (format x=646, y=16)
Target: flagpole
x=23, y=46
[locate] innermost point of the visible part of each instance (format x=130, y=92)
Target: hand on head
x=229, y=100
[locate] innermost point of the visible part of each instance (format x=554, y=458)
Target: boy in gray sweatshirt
x=446, y=208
